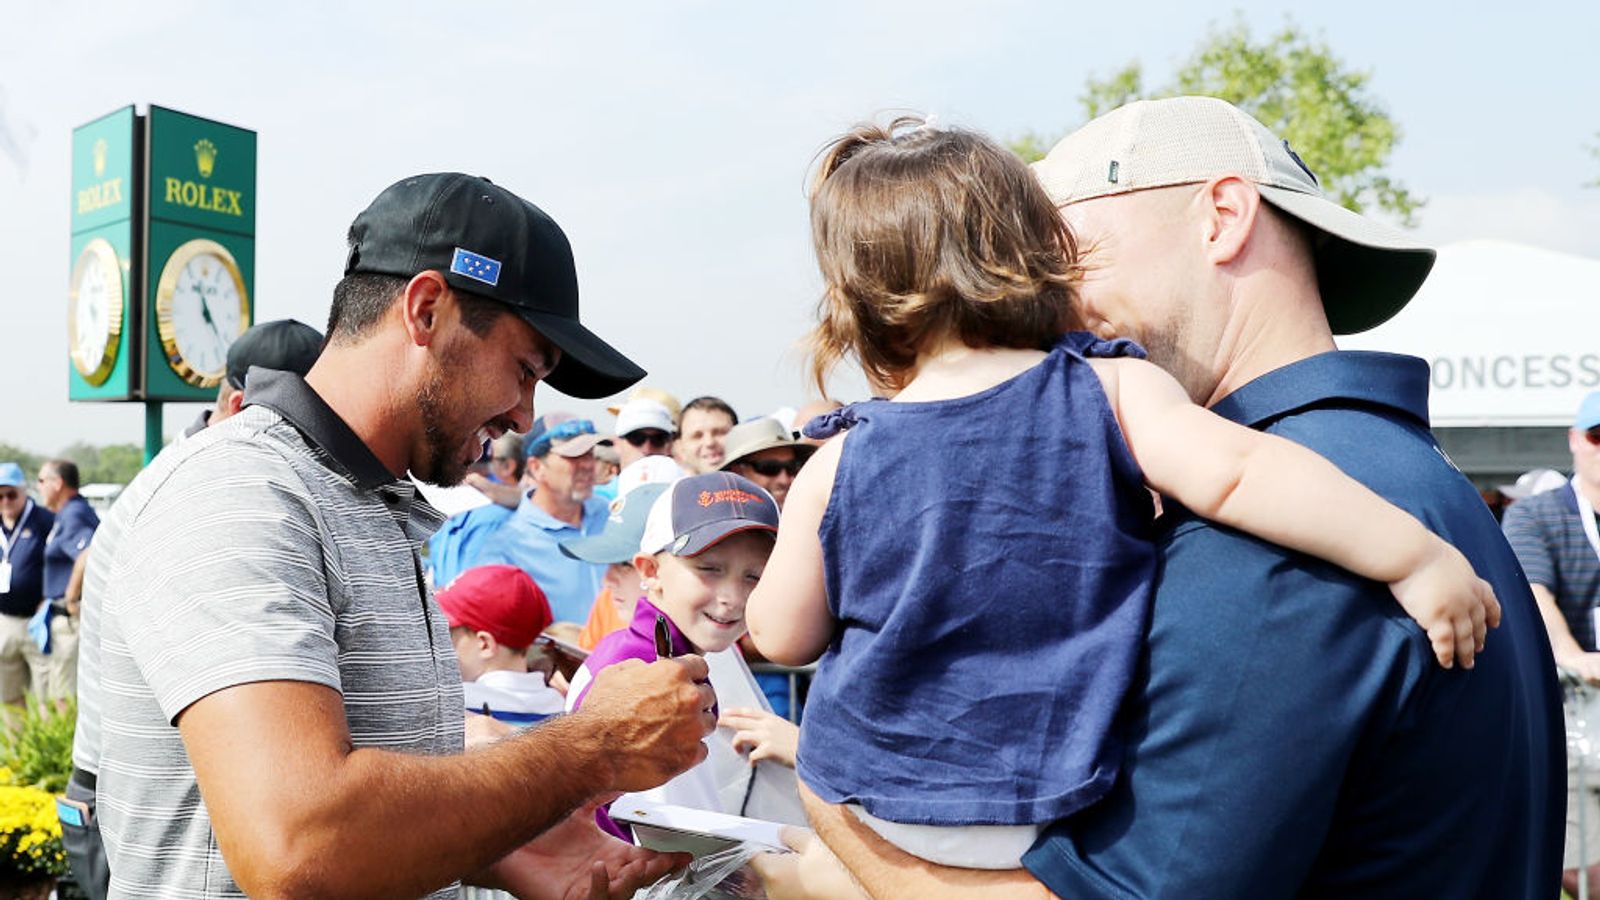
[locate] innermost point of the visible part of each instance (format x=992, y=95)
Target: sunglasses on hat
x=770, y=468
x=565, y=431
x=1593, y=436
x=647, y=436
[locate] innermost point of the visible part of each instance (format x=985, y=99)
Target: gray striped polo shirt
x=1546, y=533
x=273, y=546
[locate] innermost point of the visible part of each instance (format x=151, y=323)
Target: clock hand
x=205, y=310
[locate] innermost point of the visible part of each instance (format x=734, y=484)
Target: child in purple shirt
x=704, y=547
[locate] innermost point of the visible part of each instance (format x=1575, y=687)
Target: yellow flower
x=30, y=832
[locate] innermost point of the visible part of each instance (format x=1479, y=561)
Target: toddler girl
x=974, y=553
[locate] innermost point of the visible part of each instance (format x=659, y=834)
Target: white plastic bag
x=714, y=875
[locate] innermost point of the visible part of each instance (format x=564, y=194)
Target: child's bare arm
x=1284, y=493
x=788, y=612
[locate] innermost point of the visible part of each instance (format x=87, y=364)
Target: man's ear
x=1230, y=207
x=235, y=402
x=421, y=304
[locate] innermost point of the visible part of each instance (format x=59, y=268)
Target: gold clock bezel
x=168, y=285
x=97, y=252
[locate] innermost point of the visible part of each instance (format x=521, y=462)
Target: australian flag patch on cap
x=478, y=268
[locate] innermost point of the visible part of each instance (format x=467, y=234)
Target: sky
x=672, y=140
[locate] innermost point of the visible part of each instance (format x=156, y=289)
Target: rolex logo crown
x=100, y=158
x=205, y=157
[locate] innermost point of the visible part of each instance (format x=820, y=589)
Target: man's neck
x=1589, y=489
x=563, y=507
x=1266, y=333
x=61, y=502
x=342, y=377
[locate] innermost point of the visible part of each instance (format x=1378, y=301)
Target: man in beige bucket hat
x=1286, y=733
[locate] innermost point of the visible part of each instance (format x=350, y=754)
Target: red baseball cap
x=502, y=600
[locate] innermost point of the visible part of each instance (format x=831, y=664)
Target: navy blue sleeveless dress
x=989, y=561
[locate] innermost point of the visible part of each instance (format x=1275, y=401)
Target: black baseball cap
x=487, y=241
x=285, y=344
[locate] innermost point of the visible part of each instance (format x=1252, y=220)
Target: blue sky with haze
x=671, y=140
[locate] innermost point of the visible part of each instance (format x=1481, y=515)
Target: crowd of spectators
x=1027, y=682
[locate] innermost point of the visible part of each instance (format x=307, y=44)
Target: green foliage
x=1102, y=95
x=114, y=463
x=1294, y=84
x=1031, y=146
x=28, y=461
x=36, y=744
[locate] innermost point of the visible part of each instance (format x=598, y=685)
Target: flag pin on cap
x=476, y=267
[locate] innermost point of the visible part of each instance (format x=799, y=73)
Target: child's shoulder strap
x=1085, y=345
x=834, y=421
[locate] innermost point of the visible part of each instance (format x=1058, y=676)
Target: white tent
x=1511, y=334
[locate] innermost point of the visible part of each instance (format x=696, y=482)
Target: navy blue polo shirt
x=1288, y=730
x=27, y=560
x=74, y=528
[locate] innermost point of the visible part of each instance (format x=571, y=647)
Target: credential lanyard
x=1586, y=513
x=1590, y=531
x=6, y=543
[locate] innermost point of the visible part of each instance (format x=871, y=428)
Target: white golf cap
x=1366, y=271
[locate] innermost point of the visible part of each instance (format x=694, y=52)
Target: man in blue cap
x=24, y=528
x=562, y=506
x=1556, y=540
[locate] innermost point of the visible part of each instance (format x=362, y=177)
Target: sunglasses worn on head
x=769, y=468
x=565, y=431
x=1593, y=436
x=642, y=437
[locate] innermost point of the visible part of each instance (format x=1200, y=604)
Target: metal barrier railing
x=795, y=674
x=1583, y=739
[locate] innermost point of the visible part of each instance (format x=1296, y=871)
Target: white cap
x=1536, y=481
x=641, y=412
x=648, y=470
x=1366, y=275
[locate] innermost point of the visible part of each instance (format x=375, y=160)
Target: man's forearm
x=482, y=805
x=386, y=824
x=1562, y=644
x=886, y=871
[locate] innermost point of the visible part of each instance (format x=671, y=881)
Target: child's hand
x=765, y=735
x=1451, y=603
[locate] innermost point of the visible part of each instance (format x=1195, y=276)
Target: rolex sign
x=201, y=259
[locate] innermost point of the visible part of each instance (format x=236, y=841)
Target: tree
x=28, y=461
x=1296, y=86
x=115, y=463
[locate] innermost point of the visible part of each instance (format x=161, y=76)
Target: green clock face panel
x=95, y=311
x=101, y=274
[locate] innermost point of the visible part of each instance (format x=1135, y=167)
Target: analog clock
x=201, y=307
x=94, y=311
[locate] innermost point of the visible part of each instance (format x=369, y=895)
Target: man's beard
x=442, y=466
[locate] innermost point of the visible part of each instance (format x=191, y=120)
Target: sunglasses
x=8, y=496
x=566, y=431
x=653, y=438
x=770, y=468
x=1593, y=436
